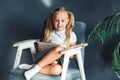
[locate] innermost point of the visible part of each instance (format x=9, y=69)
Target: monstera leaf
x=116, y=60
x=106, y=28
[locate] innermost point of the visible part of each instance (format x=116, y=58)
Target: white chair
x=29, y=44
x=67, y=52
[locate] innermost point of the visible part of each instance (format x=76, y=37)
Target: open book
x=82, y=45
x=50, y=45
x=46, y=45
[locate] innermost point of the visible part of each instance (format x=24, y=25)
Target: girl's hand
x=40, y=47
x=73, y=56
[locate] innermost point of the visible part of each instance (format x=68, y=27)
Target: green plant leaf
x=106, y=28
x=113, y=26
x=116, y=60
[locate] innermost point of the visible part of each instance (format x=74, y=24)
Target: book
x=50, y=45
x=82, y=45
x=46, y=45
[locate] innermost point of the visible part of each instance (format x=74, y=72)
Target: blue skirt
x=42, y=53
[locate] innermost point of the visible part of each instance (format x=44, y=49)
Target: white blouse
x=58, y=37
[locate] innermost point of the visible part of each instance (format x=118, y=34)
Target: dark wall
x=22, y=19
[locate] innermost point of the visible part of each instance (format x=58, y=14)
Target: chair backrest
x=80, y=31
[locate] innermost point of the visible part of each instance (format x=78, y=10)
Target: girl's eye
x=62, y=20
x=56, y=20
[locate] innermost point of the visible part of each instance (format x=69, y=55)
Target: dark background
x=22, y=19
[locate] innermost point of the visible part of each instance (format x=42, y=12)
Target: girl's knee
x=56, y=70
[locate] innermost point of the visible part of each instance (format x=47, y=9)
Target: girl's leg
x=50, y=57
x=54, y=69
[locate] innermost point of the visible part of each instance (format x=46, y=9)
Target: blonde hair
x=50, y=27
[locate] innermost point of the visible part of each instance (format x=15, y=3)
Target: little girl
x=59, y=31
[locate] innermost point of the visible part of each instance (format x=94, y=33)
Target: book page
x=76, y=46
x=50, y=45
x=46, y=45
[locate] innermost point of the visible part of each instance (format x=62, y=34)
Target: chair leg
x=80, y=64
x=18, y=56
x=19, y=52
x=33, y=51
x=65, y=67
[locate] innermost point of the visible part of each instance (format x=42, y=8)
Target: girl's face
x=60, y=20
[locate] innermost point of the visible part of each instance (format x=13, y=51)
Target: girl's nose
x=59, y=23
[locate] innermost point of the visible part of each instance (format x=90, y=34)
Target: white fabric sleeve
x=73, y=37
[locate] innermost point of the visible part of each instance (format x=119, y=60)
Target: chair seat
x=15, y=74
